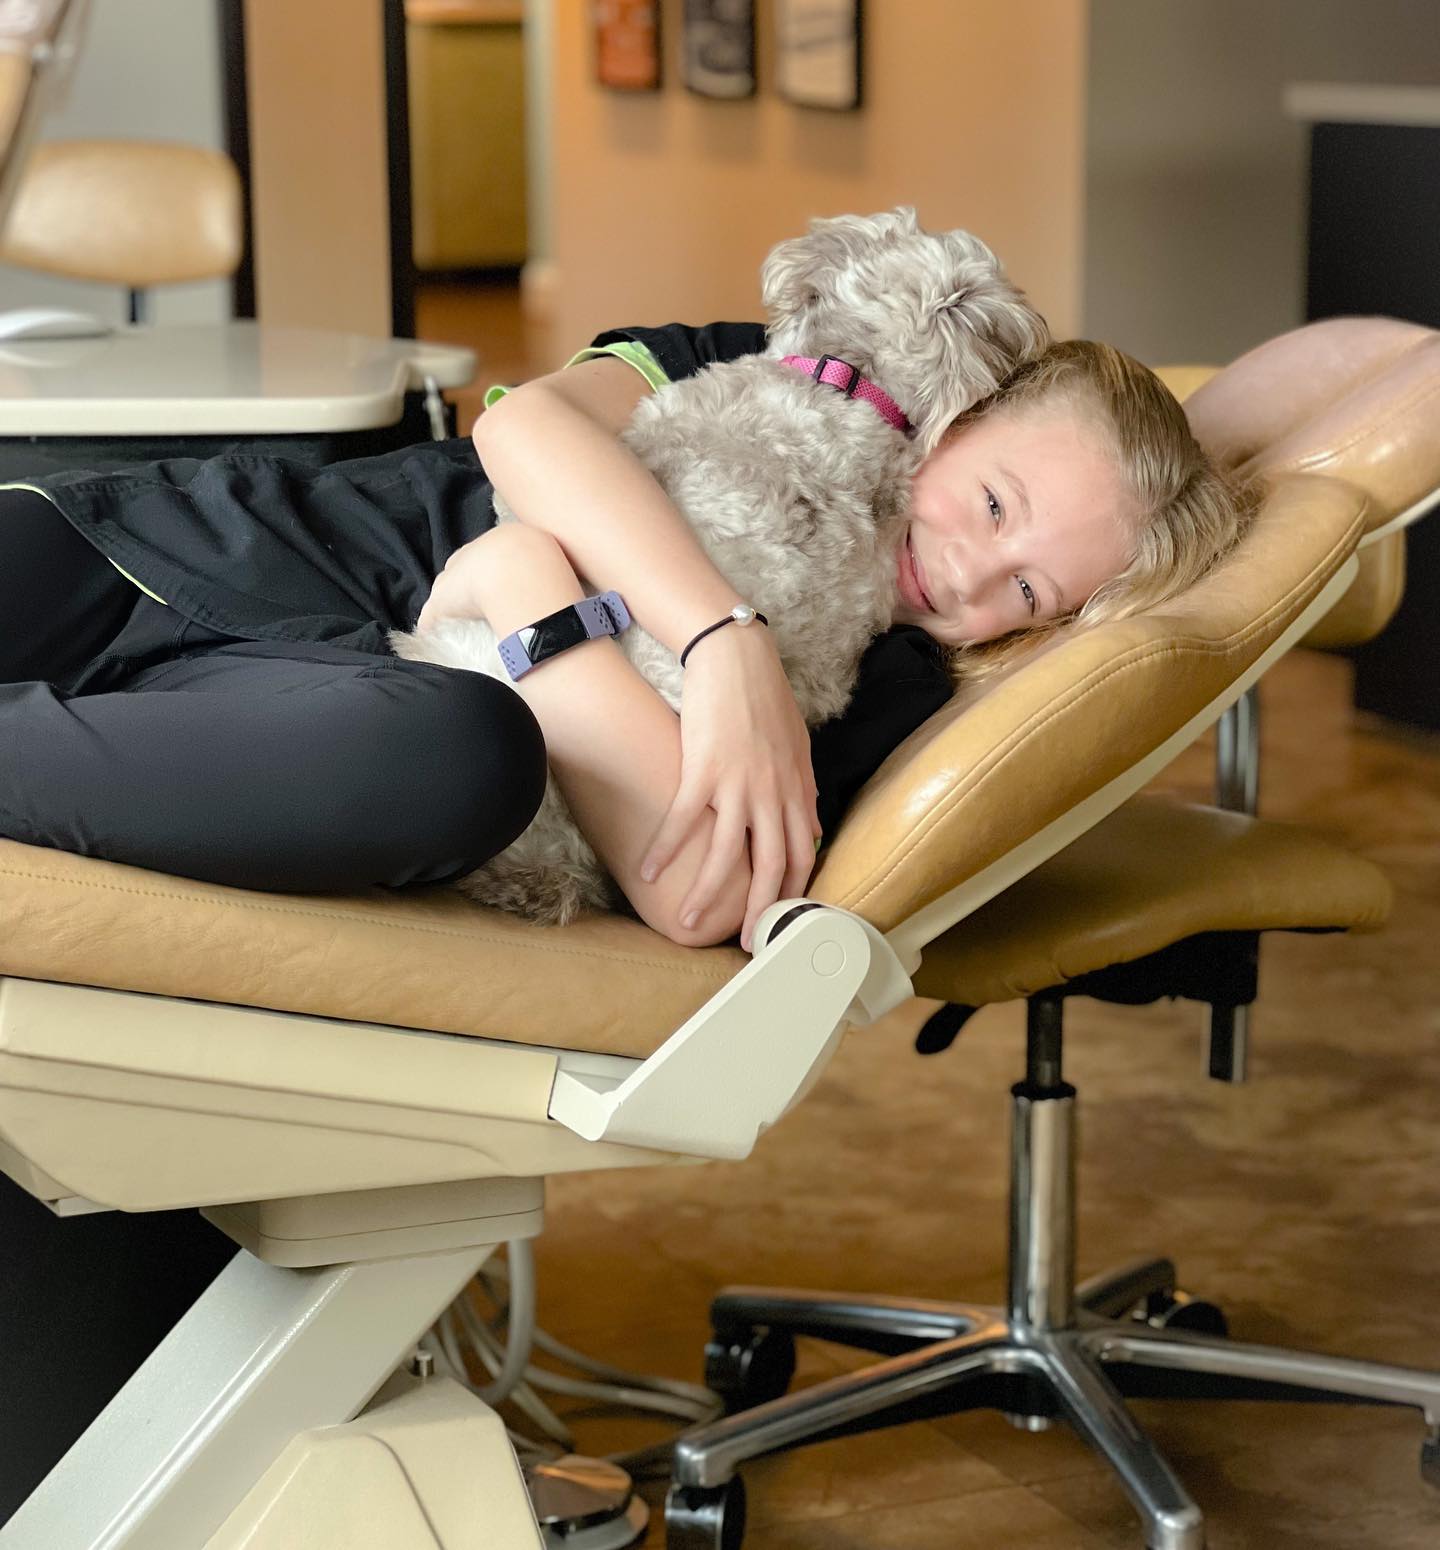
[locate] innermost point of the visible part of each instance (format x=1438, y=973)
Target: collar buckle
x=826, y=361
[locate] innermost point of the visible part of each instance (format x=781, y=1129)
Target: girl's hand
x=455, y=593
x=745, y=752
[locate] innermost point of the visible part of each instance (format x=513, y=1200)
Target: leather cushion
x=1371, y=599
x=413, y=958
x=1152, y=873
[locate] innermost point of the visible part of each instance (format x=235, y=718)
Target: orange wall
x=663, y=204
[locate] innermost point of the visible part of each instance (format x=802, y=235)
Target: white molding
x=1326, y=102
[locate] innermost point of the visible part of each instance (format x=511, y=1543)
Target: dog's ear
x=798, y=274
x=989, y=329
x=791, y=278
x=980, y=328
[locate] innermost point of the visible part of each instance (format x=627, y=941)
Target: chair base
x=1058, y=1351
x=1081, y=1374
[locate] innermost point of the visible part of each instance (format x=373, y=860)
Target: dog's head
x=928, y=316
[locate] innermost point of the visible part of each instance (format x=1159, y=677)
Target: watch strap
x=597, y=616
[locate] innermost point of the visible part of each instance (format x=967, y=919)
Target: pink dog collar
x=834, y=372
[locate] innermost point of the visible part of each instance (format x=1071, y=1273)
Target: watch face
x=550, y=635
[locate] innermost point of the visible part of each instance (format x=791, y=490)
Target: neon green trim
x=36, y=490
x=146, y=590
x=633, y=353
x=627, y=350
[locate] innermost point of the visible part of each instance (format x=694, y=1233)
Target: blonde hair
x=1191, y=512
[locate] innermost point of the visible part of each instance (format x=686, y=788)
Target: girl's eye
x=1028, y=592
x=995, y=512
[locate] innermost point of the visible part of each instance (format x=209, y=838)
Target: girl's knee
x=466, y=755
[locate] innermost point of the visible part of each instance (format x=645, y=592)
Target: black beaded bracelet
x=742, y=613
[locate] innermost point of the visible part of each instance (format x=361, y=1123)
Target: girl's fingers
x=767, y=869
x=801, y=840
x=674, y=828
x=726, y=846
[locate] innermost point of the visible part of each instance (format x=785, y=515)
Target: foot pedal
x=585, y=1504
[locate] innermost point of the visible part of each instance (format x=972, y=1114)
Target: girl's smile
x=912, y=586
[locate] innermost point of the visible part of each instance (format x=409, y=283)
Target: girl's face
x=1014, y=519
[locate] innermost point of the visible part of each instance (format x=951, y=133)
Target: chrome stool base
x=1057, y=1352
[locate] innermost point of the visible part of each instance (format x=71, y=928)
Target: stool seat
x=419, y=958
x=127, y=212
x=1153, y=873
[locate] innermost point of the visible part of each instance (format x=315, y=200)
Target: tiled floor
x=1307, y=1202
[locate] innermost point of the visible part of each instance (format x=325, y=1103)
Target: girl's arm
x=612, y=742
x=551, y=449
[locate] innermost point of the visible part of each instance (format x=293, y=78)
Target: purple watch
x=588, y=619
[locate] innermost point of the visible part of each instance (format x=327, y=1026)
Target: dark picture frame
x=819, y=49
x=627, y=44
x=719, y=49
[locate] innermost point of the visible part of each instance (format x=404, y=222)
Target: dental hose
x=515, y=1377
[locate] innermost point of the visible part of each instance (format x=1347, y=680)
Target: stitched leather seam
x=1379, y=368
x=695, y=971
x=1425, y=390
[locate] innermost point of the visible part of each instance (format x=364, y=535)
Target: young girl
x=1075, y=491
x=193, y=675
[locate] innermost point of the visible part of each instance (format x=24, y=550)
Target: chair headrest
x=1356, y=397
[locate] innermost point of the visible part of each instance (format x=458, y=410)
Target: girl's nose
x=957, y=571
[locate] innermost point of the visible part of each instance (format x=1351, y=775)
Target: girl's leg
x=260, y=764
x=61, y=600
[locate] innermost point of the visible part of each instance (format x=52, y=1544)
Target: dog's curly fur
x=798, y=493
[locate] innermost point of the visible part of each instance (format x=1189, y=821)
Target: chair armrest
x=778, y=1020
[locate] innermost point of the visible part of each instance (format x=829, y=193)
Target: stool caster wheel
x=749, y=1367
x=1179, y=1310
x=699, y=1517
x=1430, y=1458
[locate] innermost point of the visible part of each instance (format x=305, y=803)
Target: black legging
x=259, y=764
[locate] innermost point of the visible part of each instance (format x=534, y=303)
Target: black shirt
x=262, y=547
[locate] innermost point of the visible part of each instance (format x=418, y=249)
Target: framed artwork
x=817, y=49
x=720, y=47
x=627, y=44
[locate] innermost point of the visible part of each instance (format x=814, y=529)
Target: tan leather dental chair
x=1157, y=899
x=366, y=1091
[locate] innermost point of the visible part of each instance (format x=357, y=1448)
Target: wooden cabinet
x=467, y=133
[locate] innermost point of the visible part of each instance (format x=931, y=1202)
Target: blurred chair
x=127, y=212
